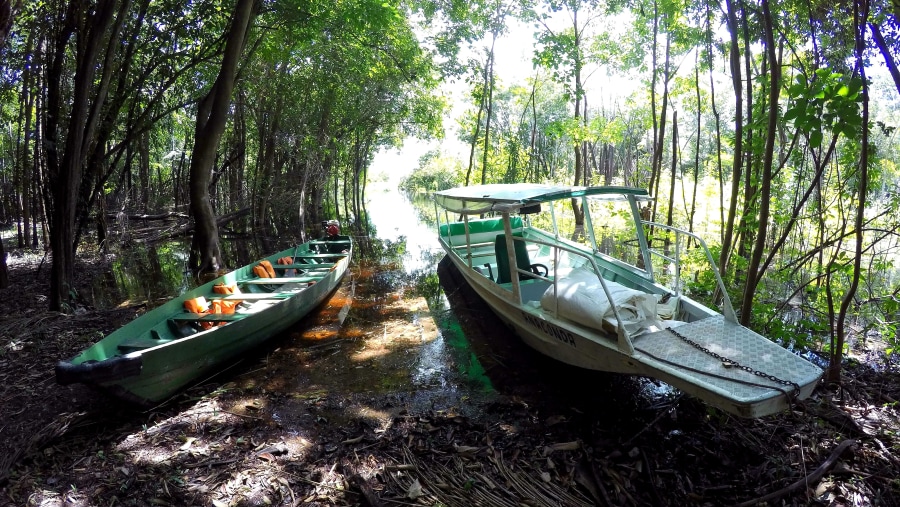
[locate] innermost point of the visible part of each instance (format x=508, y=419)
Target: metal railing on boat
x=728, y=311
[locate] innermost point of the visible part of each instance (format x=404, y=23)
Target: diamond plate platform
x=734, y=342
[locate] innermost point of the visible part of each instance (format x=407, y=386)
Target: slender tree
x=489, y=105
x=212, y=113
x=737, y=164
x=860, y=18
x=765, y=192
x=565, y=52
x=890, y=57
x=71, y=132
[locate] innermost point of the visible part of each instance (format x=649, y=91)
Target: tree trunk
x=534, y=163
x=23, y=170
x=579, y=92
x=143, y=203
x=489, y=83
x=481, y=105
x=661, y=139
x=212, y=113
x=738, y=158
x=715, y=112
x=751, y=160
x=8, y=10
x=886, y=53
x=861, y=13
x=693, y=209
x=4, y=271
x=669, y=214
x=654, y=71
x=236, y=174
x=765, y=190
x=268, y=125
x=65, y=169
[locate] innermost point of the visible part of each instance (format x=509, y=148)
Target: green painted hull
x=159, y=353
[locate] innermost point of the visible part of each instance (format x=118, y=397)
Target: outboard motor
x=332, y=241
x=332, y=229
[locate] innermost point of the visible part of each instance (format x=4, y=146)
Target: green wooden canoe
x=154, y=356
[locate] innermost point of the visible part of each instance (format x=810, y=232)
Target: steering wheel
x=536, y=269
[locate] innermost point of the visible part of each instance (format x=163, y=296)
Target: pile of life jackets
x=201, y=306
x=264, y=270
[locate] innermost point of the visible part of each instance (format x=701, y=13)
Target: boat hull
x=154, y=373
x=587, y=348
x=560, y=340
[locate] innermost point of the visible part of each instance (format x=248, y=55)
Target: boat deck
x=185, y=323
x=731, y=341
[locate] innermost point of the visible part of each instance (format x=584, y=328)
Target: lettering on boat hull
x=548, y=328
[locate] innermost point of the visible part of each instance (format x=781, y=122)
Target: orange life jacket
x=224, y=307
x=267, y=267
x=197, y=305
x=200, y=306
x=221, y=288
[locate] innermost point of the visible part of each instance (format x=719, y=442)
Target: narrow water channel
x=388, y=332
x=400, y=334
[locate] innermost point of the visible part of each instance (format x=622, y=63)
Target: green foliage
x=561, y=53
x=152, y=273
x=827, y=103
x=436, y=171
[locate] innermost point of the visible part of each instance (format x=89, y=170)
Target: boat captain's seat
x=523, y=262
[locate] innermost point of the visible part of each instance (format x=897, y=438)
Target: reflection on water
x=150, y=274
x=395, y=219
x=143, y=274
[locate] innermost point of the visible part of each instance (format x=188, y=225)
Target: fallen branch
x=212, y=463
x=149, y=216
x=807, y=481
x=185, y=228
x=357, y=481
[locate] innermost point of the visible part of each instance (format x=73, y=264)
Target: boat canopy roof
x=512, y=196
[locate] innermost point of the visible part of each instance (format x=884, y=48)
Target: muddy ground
x=544, y=435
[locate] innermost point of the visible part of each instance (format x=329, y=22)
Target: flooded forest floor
x=366, y=402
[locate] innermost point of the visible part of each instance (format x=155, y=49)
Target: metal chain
x=731, y=363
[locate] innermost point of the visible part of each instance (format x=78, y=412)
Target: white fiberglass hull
x=609, y=294
x=664, y=356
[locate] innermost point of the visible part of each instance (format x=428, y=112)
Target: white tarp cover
x=582, y=300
